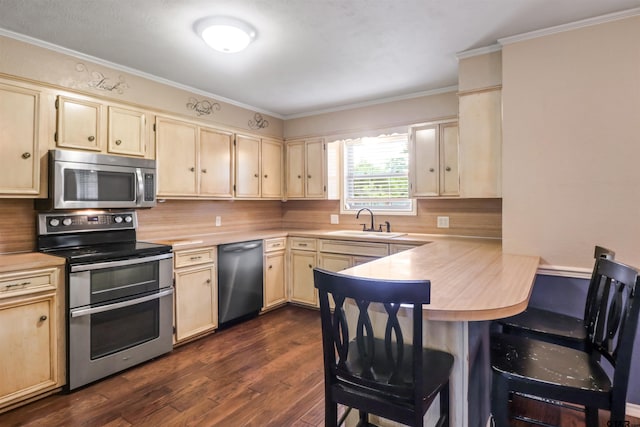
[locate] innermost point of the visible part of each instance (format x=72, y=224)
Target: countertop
x=28, y=261
x=471, y=279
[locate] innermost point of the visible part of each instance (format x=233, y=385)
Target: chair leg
x=500, y=401
x=330, y=413
x=443, y=421
x=364, y=419
x=591, y=416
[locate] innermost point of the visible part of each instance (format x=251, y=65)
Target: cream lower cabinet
x=274, y=292
x=303, y=260
x=32, y=334
x=337, y=255
x=196, y=293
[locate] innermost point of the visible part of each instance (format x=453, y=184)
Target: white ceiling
x=309, y=55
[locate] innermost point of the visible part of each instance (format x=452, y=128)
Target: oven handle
x=109, y=264
x=122, y=304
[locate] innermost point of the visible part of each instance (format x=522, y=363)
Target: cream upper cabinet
x=127, y=132
x=433, y=160
x=193, y=161
x=216, y=160
x=480, y=115
x=176, y=158
x=80, y=123
x=22, y=133
x=306, y=169
x=95, y=125
x=258, y=167
x=271, y=175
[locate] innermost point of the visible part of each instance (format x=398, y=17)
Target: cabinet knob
x=299, y=176
x=204, y=171
x=310, y=266
x=265, y=175
x=192, y=169
x=118, y=141
x=208, y=281
x=92, y=138
x=26, y=155
x=43, y=318
x=448, y=168
x=270, y=267
x=309, y=176
x=431, y=170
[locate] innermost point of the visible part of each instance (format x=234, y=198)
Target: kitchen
x=527, y=70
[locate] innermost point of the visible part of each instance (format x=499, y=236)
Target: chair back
x=616, y=320
x=372, y=364
x=595, y=286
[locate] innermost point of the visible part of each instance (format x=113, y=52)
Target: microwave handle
x=140, y=187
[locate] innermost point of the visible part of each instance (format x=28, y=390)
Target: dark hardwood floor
x=264, y=372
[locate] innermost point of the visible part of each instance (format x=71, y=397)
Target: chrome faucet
x=364, y=227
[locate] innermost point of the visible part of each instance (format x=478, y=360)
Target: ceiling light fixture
x=225, y=34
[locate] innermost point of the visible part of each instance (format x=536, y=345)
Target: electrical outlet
x=218, y=221
x=335, y=219
x=443, y=222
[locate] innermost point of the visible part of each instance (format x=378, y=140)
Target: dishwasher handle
x=240, y=247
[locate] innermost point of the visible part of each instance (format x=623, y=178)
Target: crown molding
x=479, y=51
x=132, y=71
x=570, y=26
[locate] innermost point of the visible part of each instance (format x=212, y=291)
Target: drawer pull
x=194, y=258
x=275, y=245
x=43, y=318
x=304, y=245
x=17, y=285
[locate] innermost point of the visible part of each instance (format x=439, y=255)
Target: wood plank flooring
x=264, y=372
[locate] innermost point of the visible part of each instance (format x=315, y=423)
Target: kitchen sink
x=371, y=234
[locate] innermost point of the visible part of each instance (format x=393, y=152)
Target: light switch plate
x=443, y=222
x=335, y=219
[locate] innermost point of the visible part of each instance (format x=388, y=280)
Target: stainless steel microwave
x=80, y=180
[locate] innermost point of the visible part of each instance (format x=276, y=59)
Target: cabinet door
x=449, y=176
x=481, y=144
x=29, y=361
x=274, y=279
x=127, y=132
x=315, y=169
x=271, y=168
x=247, y=166
x=302, y=289
x=79, y=124
x=19, y=136
x=216, y=163
x=424, y=161
x=295, y=170
x=196, y=301
x=175, y=158
x=335, y=262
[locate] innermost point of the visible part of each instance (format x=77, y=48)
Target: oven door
x=128, y=318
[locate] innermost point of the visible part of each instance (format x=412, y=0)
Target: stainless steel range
x=118, y=294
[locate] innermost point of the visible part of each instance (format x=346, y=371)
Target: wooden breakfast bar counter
x=472, y=282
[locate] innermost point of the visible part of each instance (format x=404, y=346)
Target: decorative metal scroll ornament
x=203, y=107
x=98, y=80
x=258, y=122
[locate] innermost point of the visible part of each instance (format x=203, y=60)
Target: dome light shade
x=225, y=34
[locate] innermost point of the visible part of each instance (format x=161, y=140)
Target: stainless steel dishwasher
x=239, y=281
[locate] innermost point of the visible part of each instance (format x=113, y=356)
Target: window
x=376, y=174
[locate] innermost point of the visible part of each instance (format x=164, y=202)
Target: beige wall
x=36, y=63
x=372, y=117
x=571, y=144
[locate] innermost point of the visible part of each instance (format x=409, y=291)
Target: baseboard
x=633, y=410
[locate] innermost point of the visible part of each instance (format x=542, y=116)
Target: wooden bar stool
x=559, y=373
x=555, y=327
x=383, y=376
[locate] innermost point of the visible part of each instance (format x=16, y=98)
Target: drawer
x=194, y=257
x=26, y=282
x=302, y=243
x=349, y=247
x=275, y=244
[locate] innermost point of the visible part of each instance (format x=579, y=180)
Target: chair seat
x=549, y=366
x=439, y=365
x=535, y=321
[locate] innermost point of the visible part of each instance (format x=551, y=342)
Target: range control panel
x=56, y=223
